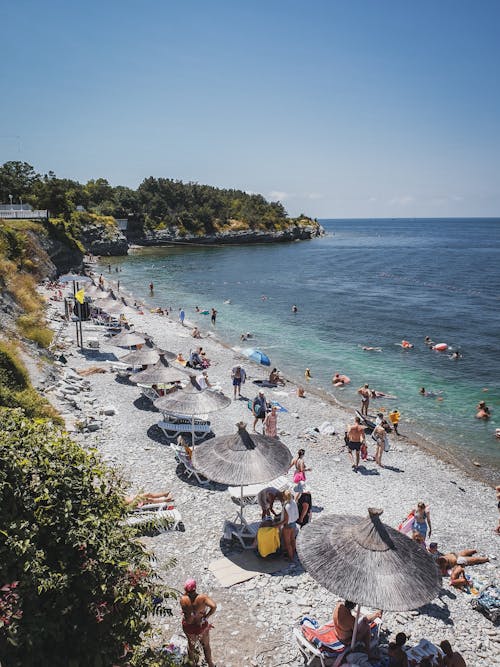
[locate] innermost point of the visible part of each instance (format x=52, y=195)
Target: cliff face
x=99, y=234
x=291, y=233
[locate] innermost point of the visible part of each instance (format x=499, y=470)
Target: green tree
x=16, y=179
x=75, y=583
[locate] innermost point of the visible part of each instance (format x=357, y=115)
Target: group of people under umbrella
x=358, y=559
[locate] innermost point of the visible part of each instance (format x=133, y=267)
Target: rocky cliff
x=294, y=232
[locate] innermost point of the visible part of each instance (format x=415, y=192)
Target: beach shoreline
x=436, y=450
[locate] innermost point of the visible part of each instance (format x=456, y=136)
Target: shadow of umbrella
x=364, y=560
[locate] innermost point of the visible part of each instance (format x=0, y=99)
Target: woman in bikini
x=300, y=467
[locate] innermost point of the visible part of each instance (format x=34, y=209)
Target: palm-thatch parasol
x=143, y=357
x=159, y=373
x=127, y=339
x=241, y=459
x=366, y=561
x=192, y=400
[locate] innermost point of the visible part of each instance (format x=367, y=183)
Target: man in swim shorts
x=355, y=438
x=239, y=376
x=465, y=557
x=364, y=392
x=195, y=621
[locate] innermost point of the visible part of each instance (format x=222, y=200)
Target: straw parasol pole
x=241, y=459
x=364, y=560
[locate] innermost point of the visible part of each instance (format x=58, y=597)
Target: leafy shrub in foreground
x=75, y=584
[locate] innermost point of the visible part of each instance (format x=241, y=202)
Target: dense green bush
x=75, y=584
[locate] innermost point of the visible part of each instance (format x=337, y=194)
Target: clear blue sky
x=335, y=107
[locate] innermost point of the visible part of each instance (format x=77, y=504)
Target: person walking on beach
x=300, y=467
x=238, y=376
x=422, y=520
x=271, y=423
x=379, y=435
x=364, y=392
x=213, y=316
x=394, y=416
x=259, y=409
x=182, y=316
x=196, y=610
x=355, y=436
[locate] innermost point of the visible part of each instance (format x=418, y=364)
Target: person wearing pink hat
x=196, y=609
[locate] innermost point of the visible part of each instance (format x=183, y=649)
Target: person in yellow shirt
x=394, y=416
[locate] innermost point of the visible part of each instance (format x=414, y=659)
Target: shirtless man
x=266, y=499
x=451, y=658
x=466, y=557
x=344, y=622
x=355, y=438
x=364, y=392
x=194, y=620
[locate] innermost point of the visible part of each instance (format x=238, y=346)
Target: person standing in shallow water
x=214, y=316
x=151, y=288
x=182, y=315
x=364, y=392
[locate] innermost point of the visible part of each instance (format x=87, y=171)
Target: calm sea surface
x=368, y=282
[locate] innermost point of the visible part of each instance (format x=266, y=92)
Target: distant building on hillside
x=22, y=212
x=122, y=224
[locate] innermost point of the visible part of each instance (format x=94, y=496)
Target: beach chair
x=155, y=519
x=250, y=492
x=172, y=429
x=424, y=649
x=315, y=641
x=182, y=458
x=148, y=392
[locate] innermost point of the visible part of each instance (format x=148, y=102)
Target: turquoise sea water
x=368, y=282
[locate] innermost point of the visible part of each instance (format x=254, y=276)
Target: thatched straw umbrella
x=192, y=400
x=241, y=459
x=143, y=357
x=159, y=373
x=127, y=339
x=366, y=561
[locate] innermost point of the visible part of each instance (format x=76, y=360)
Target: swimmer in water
x=366, y=348
x=307, y=374
x=428, y=341
x=406, y=345
x=295, y=309
x=455, y=355
x=483, y=411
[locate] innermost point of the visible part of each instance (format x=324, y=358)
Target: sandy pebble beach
x=254, y=620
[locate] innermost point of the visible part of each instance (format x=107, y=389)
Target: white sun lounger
x=172, y=429
x=251, y=491
x=182, y=458
x=146, y=512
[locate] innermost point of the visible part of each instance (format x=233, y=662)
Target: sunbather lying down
x=141, y=499
x=465, y=557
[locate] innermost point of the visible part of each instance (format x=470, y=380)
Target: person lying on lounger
x=141, y=499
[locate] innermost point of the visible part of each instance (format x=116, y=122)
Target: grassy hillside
x=24, y=261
